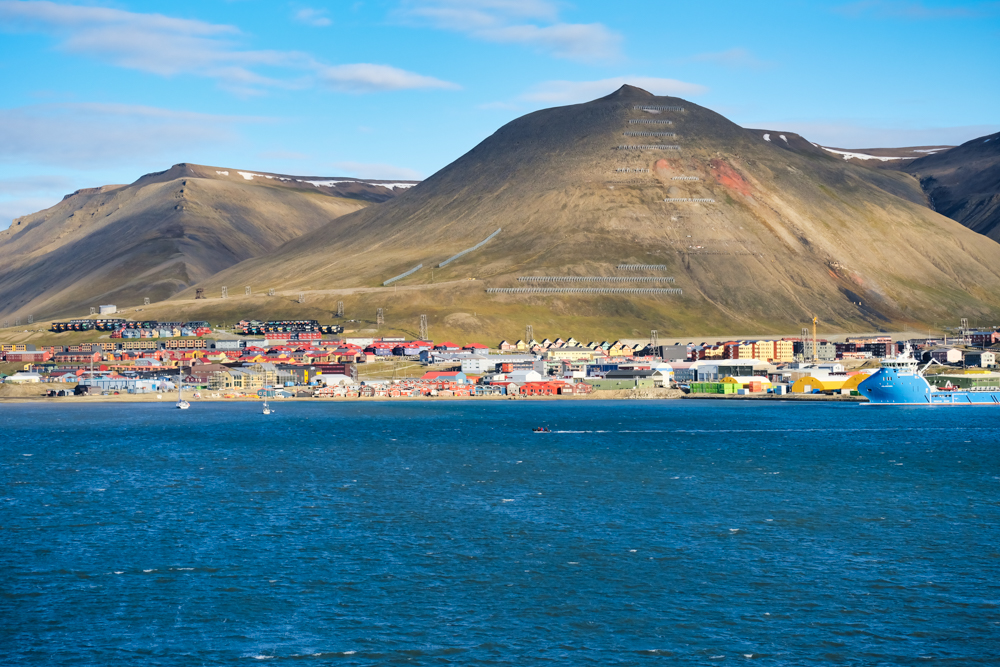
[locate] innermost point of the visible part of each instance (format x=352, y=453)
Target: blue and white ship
x=901, y=382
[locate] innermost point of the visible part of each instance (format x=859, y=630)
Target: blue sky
x=103, y=92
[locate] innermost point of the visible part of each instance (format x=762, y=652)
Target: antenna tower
x=423, y=327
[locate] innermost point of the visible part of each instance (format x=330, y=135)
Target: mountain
x=166, y=231
x=964, y=183
x=759, y=236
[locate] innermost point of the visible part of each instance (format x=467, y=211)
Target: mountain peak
x=628, y=92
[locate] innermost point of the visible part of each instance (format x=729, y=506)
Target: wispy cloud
x=376, y=171
x=532, y=23
x=313, y=17
x=169, y=46
x=87, y=135
x=736, y=58
x=915, y=10
x=854, y=134
x=367, y=78
x=569, y=92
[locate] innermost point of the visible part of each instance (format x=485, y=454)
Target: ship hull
x=894, y=387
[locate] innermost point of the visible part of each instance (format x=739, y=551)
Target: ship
x=901, y=381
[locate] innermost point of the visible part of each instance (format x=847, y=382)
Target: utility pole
x=423, y=327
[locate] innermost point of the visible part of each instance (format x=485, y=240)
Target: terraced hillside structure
x=161, y=234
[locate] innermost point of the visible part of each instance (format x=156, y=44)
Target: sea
x=448, y=533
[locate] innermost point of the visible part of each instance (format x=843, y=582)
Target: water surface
x=674, y=532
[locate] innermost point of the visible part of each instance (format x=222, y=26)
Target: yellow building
x=569, y=354
x=809, y=384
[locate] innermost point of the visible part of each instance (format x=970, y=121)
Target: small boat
x=541, y=429
x=181, y=403
x=267, y=410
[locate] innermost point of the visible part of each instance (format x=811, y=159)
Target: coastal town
x=306, y=359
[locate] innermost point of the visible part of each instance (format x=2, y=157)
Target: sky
x=101, y=92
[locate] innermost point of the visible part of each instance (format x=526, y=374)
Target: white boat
x=181, y=403
x=267, y=410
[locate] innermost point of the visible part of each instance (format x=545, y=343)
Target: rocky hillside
x=161, y=234
x=760, y=234
x=964, y=183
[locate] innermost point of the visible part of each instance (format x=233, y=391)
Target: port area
x=802, y=398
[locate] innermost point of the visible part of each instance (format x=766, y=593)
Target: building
x=107, y=310
x=943, y=355
x=570, y=354
x=984, y=359
x=23, y=378
x=825, y=350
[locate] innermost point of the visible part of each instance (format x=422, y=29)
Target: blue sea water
x=447, y=533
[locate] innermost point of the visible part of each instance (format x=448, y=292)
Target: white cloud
x=379, y=172
x=169, y=46
x=735, y=58
x=570, y=92
x=313, y=17
x=85, y=135
x=367, y=78
x=847, y=134
x=533, y=23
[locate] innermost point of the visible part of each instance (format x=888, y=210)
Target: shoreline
x=815, y=398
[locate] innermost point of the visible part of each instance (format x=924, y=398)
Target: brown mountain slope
x=157, y=236
x=788, y=234
x=964, y=183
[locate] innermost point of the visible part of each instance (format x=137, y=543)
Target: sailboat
x=181, y=403
x=267, y=410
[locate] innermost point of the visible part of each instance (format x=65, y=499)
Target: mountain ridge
x=789, y=233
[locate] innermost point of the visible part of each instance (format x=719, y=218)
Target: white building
x=520, y=377
x=23, y=378
x=108, y=310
